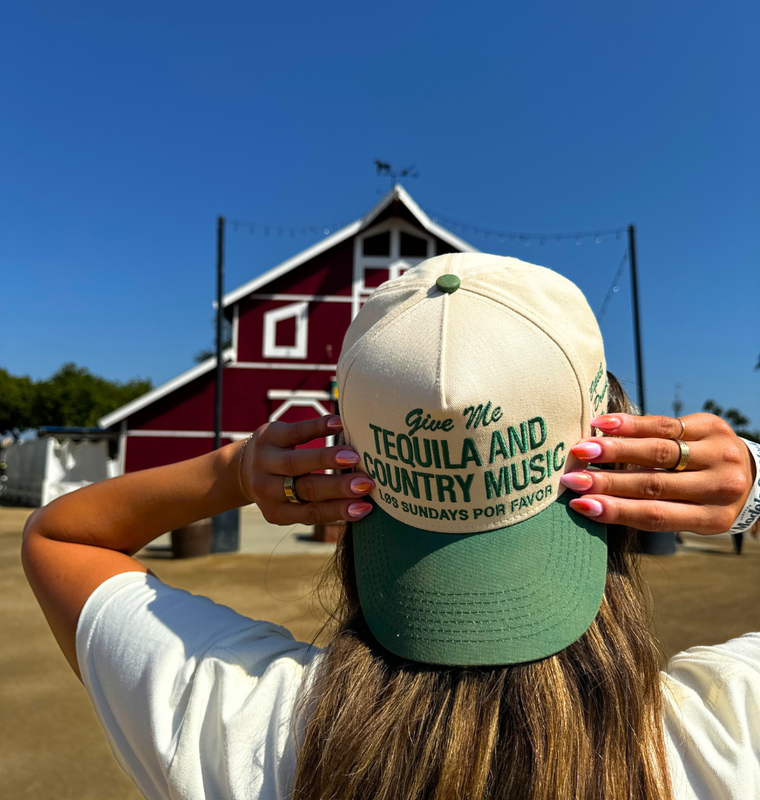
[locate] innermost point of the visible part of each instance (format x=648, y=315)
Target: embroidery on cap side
x=596, y=397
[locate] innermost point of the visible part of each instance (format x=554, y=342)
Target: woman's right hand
x=271, y=455
x=705, y=497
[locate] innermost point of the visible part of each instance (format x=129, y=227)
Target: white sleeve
x=711, y=708
x=751, y=511
x=143, y=649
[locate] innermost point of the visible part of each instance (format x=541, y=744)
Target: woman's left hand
x=272, y=455
x=706, y=497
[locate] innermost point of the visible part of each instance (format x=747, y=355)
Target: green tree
x=16, y=403
x=73, y=396
x=202, y=355
x=738, y=421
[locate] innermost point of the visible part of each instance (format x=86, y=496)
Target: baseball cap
x=463, y=384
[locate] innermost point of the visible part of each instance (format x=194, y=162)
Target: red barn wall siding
x=327, y=325
x=189, y=408
x=245, y=404
x=245, y=394
x=144, y=452
x=328, y=273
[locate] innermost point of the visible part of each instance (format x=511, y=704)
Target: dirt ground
x=51, y=745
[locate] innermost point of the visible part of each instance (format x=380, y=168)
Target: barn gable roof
x=397, y=193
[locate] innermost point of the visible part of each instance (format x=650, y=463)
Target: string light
x=513, y=237
x=542, y=238
x=282, y=230
x=614, y=287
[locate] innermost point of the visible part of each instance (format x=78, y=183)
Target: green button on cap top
x=448, y=283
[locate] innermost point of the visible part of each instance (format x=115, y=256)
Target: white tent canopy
x=43, y=469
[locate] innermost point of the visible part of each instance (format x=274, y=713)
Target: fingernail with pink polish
x=607, y=423
x=334, y=423
x=587, y=507
x=577, y=481
x=357, y=510
x=586, y=450
x=347, y=457
x=362, y=485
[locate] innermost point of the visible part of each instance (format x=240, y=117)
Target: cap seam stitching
x=518, y=309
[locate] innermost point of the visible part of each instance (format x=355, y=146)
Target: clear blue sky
x=126, y=131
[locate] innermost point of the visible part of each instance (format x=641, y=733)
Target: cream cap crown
x=463, y=401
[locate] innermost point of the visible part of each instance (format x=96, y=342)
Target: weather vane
x=387, y=170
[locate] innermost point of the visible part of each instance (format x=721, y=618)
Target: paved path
x=258, y=536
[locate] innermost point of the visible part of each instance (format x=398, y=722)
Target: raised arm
x=80, y=540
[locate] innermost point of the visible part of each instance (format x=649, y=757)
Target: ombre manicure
x=362, y=485
x=607, y=423
x=347, y=457
x=335, y=423
x=577, y=481
x=359, y=509
x=585, y=451
x=586, y=506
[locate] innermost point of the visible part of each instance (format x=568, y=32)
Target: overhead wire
x=614, y=287
x=512, y=237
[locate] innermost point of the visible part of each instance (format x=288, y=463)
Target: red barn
x=288, y=326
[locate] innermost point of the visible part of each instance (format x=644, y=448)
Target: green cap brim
x=504, y=596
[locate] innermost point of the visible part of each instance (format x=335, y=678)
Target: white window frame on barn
x=301, y=313
x=394, y=262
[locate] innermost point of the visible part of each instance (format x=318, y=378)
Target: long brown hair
x=584, y=724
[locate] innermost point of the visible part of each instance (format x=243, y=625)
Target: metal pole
x=219, y=318
x=226, y=526
x=636, y=319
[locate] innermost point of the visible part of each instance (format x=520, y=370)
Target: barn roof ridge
x=396, y=193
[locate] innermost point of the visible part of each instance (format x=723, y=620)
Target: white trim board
x=235, y=329
x=394, y=262
x=298, y=402
x=299, y=311
x=275, y=365
x=286, y=394
x=320, y=298
x=148, y=433
x=122, y=446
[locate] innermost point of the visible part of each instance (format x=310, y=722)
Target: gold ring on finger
x=290, y=490
x=683, y=429
x=683, y=458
